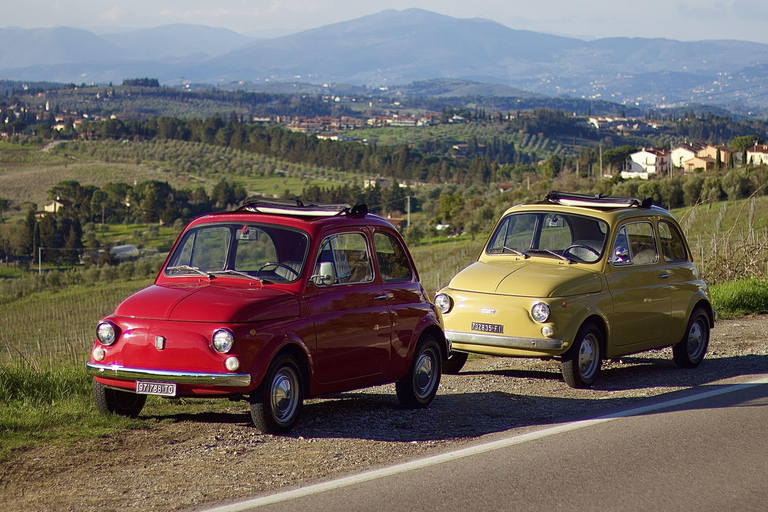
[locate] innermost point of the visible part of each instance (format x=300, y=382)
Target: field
x=27, y=173
x=729, y=240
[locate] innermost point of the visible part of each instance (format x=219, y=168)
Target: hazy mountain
x=176, y=41
x=49, y=46
x=393, y=48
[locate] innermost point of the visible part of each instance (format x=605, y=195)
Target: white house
x=648, y=162
x=758, y=154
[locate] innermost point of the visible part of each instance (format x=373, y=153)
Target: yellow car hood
x=527, y=278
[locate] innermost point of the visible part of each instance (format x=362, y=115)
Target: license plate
x=155, y=388
x=477, y=326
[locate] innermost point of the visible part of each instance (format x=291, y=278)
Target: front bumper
x=202, y=379
x=513, y=342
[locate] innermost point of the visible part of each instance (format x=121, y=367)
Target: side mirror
x=620, y=255
x=326, y=275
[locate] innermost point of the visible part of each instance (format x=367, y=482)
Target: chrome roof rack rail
x=596, y=200
x=298, y=208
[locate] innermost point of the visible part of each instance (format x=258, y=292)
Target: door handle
x=664, y=275
x=380, y=297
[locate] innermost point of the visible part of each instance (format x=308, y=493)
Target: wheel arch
x=277, y=347
x=599, y=322
x=439, y=335
x=302, y=360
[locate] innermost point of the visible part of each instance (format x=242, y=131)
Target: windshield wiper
x=552, y=253
x=233, y=272
x=190, y=268
x=504, y=248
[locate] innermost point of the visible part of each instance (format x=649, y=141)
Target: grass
x=741, y=297
x=54, y=405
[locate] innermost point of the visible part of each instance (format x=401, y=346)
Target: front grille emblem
x=159, y=342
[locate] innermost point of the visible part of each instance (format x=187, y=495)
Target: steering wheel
x=582, y=246
x=276, y=265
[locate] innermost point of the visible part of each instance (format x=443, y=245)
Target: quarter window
x=672, y=245
x=393, y=262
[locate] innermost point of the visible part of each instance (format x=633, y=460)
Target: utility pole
x=601, y=162
x=408, y=215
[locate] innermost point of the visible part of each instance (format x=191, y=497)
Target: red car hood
x=209, y=303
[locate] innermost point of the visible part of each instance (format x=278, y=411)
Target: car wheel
x=419, y=386
x=276, y=407
x=112, y=401
x=689, y=352
x=582, y=362
x=455, y=363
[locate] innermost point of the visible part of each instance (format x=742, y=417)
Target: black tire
x=582, y=362
x=419, y=387
x=112, y=401
x=275, y=408
x=690, y=351
x=455, y=363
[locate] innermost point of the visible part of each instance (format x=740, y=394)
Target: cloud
x=701, y=13
x=750, y=10
x=111, y=15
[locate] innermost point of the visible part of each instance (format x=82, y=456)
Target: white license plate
x=155, y=388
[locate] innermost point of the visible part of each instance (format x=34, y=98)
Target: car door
x=683, y=278
x=639, y=286
x=349, y=309
x=405, y=296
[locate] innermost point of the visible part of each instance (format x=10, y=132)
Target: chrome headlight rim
x=444, y=303
x=541, y=312
x=106, y=333
x=222, y=340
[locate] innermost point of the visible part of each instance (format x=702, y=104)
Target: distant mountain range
x=398, y=47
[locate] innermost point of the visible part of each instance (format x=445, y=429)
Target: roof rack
x=597, y=200
x=298, y=208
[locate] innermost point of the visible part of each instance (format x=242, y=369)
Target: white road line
x=475, y=450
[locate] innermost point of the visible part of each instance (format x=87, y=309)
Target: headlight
x=223, y=340
x=540, y=312
x=443, y=302
x=106, y=333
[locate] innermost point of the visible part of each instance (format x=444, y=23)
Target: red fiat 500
x=273, y=303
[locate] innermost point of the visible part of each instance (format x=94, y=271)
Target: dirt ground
x=200, y=459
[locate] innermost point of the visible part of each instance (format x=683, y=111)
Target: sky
x=685, y=20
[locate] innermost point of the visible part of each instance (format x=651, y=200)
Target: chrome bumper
x=203, y=379
x=504, y=341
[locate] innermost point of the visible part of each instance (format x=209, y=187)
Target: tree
x=5, y=205
x=26, y=244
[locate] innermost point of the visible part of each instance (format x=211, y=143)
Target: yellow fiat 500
x=582, y=279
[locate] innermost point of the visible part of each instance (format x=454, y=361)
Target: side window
x=345, y=259
x=393, y=261
x=635, y=244
x=672, y=245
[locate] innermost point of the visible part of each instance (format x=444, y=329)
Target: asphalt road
x=702, y=449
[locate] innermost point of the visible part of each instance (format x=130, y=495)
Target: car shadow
x=375, y=413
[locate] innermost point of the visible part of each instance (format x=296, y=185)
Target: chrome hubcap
x=424, y=375
x=696, y=339
x=284, y=395
x=588, y=356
